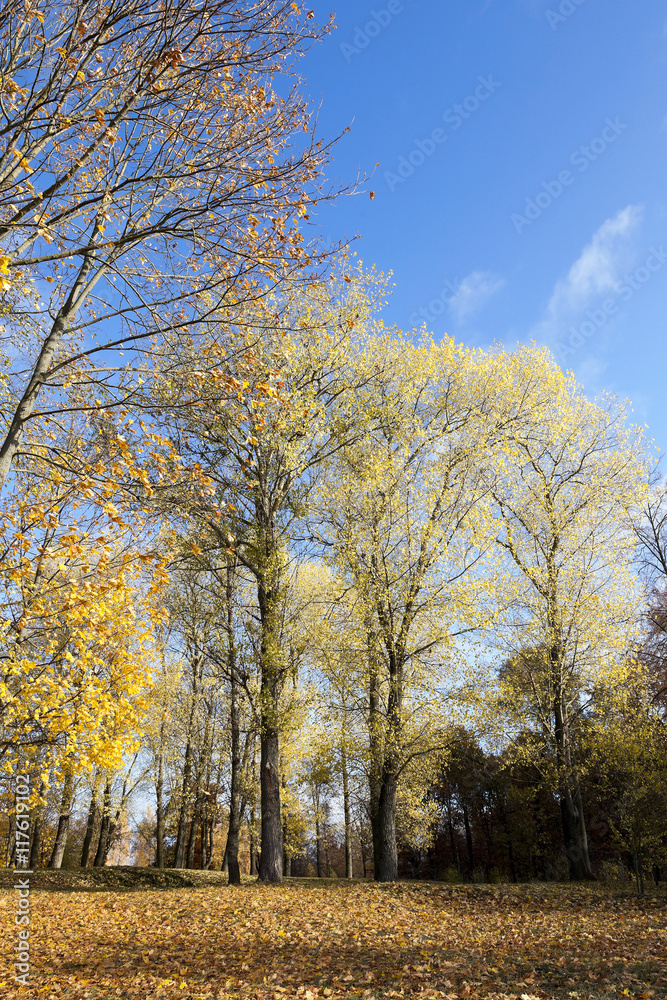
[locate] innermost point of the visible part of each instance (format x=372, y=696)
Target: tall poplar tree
x=565, y=484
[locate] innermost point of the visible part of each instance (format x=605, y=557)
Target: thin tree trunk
x=638, y=863
x=450, y=827
x=90, y=824
x=11, y=841
x=362, y=841
x=203, y=764
x=159, y=814
x=37, y=826
x=346, y=814
x=211, y=825
x=466, y=824
x=194, y=824
x=183, y=826
x=203, y=831
x=63, y=822
x=232, y=849
x=318, y=832
x=326, y=846
x=375, y=736
x=182, y=829
x=159, y=800
x=252, y=844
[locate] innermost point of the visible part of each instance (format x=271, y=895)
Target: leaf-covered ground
x=341, y=941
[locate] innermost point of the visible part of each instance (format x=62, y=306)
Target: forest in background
x=284, y=589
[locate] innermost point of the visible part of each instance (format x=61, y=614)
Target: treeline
x=490, y=821
x=449, y=535
x=284, y=585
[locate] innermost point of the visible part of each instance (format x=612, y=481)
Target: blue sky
x=521, y=191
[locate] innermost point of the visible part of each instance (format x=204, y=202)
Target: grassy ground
x=191, y=936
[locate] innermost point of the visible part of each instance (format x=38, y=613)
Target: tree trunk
x=36, y=838
x=202, y=783
x=193, y=831
x=211, y=826
x=318, y=833
x=159, y=814
x=252, y=844
x=11, y=842
x=346, y=814
x=574, y=835
x=90, y=825
x=466, y=824
x=638, y=862
x=182, y=829
x=386, y=858
x=571, y=804
x=271, y=849
x=103, y=842
x=183, y=826
x=232, y=849
x=63, y=822
x=375, y=735
x=384, y=839
x=363, y=856
x=110, y=833
x=271, y=856
x=203, y=836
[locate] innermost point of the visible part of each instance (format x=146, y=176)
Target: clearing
x=310, y=939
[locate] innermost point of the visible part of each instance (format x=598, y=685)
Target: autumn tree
x=263, y=456
x=394, y=512
x=78, y=619
x=151, y=175
x=564, y=485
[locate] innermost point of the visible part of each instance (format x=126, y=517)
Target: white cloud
x=474, y=292
x=597, y=270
